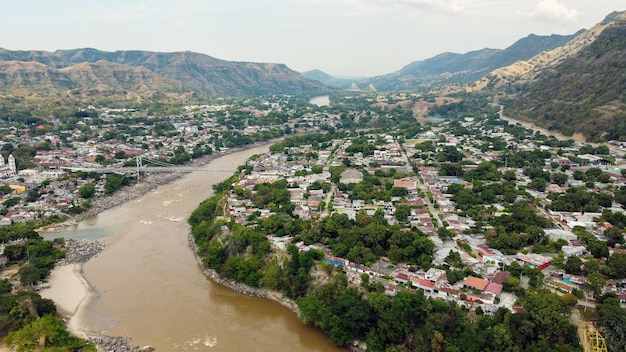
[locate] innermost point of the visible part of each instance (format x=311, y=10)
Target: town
x=425, y=177
x=472, y=210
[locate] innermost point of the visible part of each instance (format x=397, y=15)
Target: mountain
x=527, y=70
x=453, y=68
x=101, y=77
x=581, y=91
x=331, y=81
x=150, y=72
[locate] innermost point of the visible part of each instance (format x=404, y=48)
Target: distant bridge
x=146, y=166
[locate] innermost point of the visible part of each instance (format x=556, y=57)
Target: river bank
x=238, y=287
x=176, y=306
x=148, y=183
x=67, y=285
x=275, y=296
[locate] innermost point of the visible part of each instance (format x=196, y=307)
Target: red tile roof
x=476, y=282
x=501, y=277
x=493, y=288
x=426, y=283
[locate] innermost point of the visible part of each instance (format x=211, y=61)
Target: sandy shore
x=68, y=288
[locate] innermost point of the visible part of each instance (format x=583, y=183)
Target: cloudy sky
x=340, y=37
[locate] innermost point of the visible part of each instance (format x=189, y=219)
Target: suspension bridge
x=590, y=339
x=146, y=166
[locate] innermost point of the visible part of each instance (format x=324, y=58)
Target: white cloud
x=554, y=11
x=126, y=13
x=371, y=7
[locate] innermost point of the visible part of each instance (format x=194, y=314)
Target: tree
x=591, y=266
x=612, y=318
x=538, y=184
x=121, y=155
x=272, y=275
x=598, y=249
x=569, y=299
x=578, y=175
x=617, y=265
x=5, y=286
x=33, y=194
x=454, y=259
x=28, y=274
x=114, y=182
x=87, y=191
x=11, y=201
x=615, y=235
x=595, y=283
x=573, y=265
x=509, y=175
x=5, y=189
x=560, y=178
x=48, y=333
x=402, y=212
x=550, y=316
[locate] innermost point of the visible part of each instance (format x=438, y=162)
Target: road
x=422, y=185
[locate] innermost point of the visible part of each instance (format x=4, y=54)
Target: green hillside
x=583, y=94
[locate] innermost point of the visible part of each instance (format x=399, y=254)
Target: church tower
x=12, y=168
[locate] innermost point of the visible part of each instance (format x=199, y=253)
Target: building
x=351, y=176
x=8, y=170
x=533, y=260
x=408, y=183
x=475, y=283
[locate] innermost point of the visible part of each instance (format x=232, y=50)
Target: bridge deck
x=132, y=169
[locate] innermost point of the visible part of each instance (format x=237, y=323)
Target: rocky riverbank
x=80, y=251
x=117, y=344
x=243, y=288
x=357, y=346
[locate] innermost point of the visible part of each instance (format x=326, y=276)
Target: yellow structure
x=18, y=189
x=590, y=339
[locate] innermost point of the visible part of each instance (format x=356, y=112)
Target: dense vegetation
x=27, y=321
x=407, y=321
x=470, y=105
x=411, y=322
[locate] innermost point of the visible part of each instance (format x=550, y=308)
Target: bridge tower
x=590, y=338
x=139, y=166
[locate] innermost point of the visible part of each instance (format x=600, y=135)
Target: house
x=402, y=278
x=475, y=283
x=533, y=260
x=424, y=285
x=493, y=288
x=501, y=277
x=335, y=260
x=435, y=275
x=448, y=293
x=351, y=176
x=573, y=250
x=407, y=183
